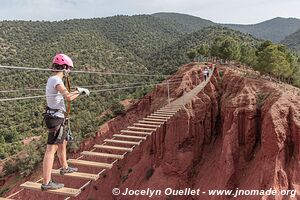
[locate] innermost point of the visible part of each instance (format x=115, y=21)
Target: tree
x=273, y=60
x=203, y=50
x=264, y=45
x=230, y=49
x=215, y=47
x=192, y=54
x=248, y=55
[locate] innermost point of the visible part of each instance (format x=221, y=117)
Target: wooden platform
x=63, y=191
x=129, y=136
x=80, y=175
x=90, y=163
x=1, y=198
x=122, y=142
x=141, y=128
x=108, y=147
x=136, y=132
x=103, y=155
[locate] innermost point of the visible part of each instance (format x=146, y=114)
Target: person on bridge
x=205, y=73
x=54, y=117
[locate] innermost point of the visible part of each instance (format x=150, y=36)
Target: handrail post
x=168, y=87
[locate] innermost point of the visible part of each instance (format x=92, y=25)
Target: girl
x=56, y=93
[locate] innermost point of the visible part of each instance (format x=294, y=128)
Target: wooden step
x=146, y=125
x=151, y=119
x=169, y=109
x=104, y=146
x=166, y=110
x=157, y=117
x=90, y=163
x=168, y=106
x=161, y=115
x=80, y=175
x=172, y=106
x=136, y=132
x=103, y=155
x=141, y=128
x=165, y=113
x=121, y=142
x=130, y=136
x=1, y=198
x=63, y=191
x=151, y=122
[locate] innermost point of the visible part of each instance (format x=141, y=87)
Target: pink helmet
x=62, y=59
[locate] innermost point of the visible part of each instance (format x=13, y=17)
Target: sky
x=220, y=11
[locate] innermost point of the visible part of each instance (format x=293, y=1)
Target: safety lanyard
x=68, y=85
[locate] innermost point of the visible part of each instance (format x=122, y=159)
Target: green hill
x=140, y=34
x=293, y=41
x=188, y=23
x=275, y=29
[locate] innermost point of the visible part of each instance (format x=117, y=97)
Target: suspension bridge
x=118, y=147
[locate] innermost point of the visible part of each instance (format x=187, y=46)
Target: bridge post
x=168, y=86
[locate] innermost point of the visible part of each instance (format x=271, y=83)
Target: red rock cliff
x=238, y=133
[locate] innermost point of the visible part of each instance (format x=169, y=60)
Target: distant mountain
x=275, y=29
x=293, y=41
x=187, y=23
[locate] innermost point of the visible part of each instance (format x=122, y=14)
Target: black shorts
x=56, y=132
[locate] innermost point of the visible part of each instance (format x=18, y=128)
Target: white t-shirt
x=55, y=99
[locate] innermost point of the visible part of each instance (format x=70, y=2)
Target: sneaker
x=68, y=170
x=52, y=186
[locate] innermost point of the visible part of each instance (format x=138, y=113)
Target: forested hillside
x=188, y=23
x=109, y=45
x=293, y=41
x=176, y=54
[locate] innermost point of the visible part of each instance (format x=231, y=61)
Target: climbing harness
x=54, y=124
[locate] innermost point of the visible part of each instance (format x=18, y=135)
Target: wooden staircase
x=132, y=136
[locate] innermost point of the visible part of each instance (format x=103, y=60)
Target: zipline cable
x=93, y=91
x=88, y=86
x=83, y=72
